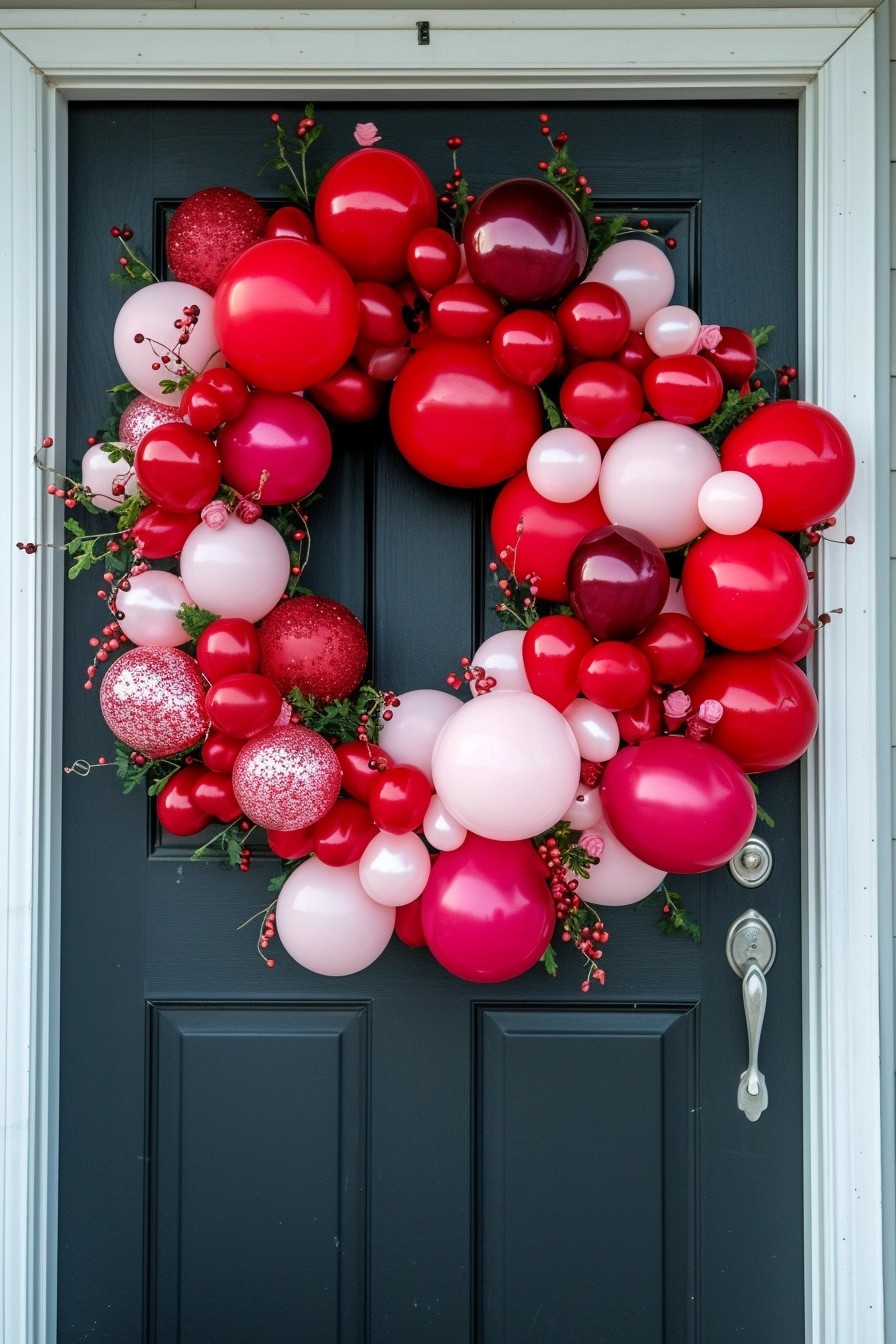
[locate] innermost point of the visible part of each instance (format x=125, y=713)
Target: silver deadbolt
x=752, y=864
x=750, y=947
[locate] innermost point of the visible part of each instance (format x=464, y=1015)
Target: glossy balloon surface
x=525, y=241
x=618, y=582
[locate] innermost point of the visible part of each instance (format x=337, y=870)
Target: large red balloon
x=618, y=582
x=459, y=420
x=281, y=435
x=177, y=467
x=747, y=592
x=682, y=806
x=602, y=399
x=286, y=314
x=800, y=456
x=315, y=644
x=487, y=913
x=770, y=711
x=547, y=536
x=525, y=241
x=684, y=389
x=552, y=650
x=369, y=207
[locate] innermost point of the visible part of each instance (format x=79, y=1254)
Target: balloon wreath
x=611, y=726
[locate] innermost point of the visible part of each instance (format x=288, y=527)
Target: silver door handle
x=750, y=946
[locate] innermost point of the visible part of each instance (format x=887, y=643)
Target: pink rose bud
x=215, y=515
x=247, y=510
x=366, y=134
x=592, y=843
x=701, y=725
x=711, y=711
x=676, y=708
x=707, y=339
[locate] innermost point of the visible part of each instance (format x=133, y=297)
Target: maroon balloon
x=618, y=582
x=682, y=806
x=281, y=435
x=770, y=711
x=525, y=241
x=315, y=644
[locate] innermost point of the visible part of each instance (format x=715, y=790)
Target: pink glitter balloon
x=286, y=778
x=153, y=699
x=140, y=416
x=208, y=230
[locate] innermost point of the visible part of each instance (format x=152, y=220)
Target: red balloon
x=201, y=407
x=595, y=319
x=681, y=806
x=459, y=420
x=527, y=345
x=618, y=581
x=552, y=651
x=433, y=259
x=361, y=764
x=525, y=241
x=219, y=751
x=771, y=713
x=350, y=395
x=177, y=467
x=159, y=533
x=382, y=362
x=226, y=646
x=643, y=720
x=747, y=592
x=464, y=313
x=685, y=389
x=602, y=399
x=229, y=387
x=290, y=222
x=291, y=845
x=635, y=354
x=177, y=813
x=213, y=794
x=369, y=207
x=550, y=533
x=281, y=435
x=800, y=456
x=315, y=644
x=615, y=675
x=342, y=836
x=487, y=913
x=797, y=646
x=208, y=230
x=734, y=356
x=243, y=704
x=409, y=923
x=286, y=314
x=380, y=318
x=675, y=647
x=399, y=799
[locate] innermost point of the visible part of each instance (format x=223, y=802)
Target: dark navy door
x=254, y=1156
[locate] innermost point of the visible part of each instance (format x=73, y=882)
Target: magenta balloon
x=487, y=913
x=618, y=582
x=678, y=805
x=525, y=241
x=280, y=434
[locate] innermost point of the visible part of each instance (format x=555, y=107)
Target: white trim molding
x=829, y=59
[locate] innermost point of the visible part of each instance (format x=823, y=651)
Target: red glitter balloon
x=315, y=644
x=140, y=416
x=286, y=778
x=153, y=699
x=208, y=230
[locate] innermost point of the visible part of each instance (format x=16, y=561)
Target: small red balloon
x=382, y=362
x=594, y=319
x=290, y=222
x=380, y=318
x=433, y=259
x=770, y=710
x=552, y=651
x=464, y=313
x=527, y=345
x=201, y=407
x=614, y=674
x=243, y=704
x=361, y=762
x=213, y=794
x=675, y=647
x=219, y=751
x=747, y=592
x=642, y=721
x=685, y=389
x=602, y=399
x=369, y=207
x=734, y=356
x=176, y=811
x=177, y=467
x=315, y=644
x=350, y=395
x=635, y=354
x=409, y=923
x=399, y=799
x=342, y=836
x=291, y=845
x=229, y=387
x=550, y=533
x=797, y=646
x=159, y=533
x=226, y=646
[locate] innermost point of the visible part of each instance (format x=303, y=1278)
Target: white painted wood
x=829, y=57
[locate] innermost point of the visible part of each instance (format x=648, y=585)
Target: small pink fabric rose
x=711, y=711
x=215, y=515
x=366, y=134
x=676, y=708
x=708, y=338
x=592, y=843
x=247, y=510
x=701, y=725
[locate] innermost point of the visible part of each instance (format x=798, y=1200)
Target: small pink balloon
x=563, y=465
x=585, y=810
x=328, y=923
x=150, y=315
x=240, y=569
x=501, y=656
x=143, y=414
x=410, y=735
x=672, y=331
x=153, y=699
x=441, y=829
x=730, y=502
x=286, y=778
x=394, y=869
x=641, y=272
x=150, y=607
x=618, y=878
x=109, y=483
x=595, y=729
x=651, y=477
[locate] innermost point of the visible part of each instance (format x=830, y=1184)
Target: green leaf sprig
x=291, y=157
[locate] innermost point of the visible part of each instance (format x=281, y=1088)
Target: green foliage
x=549, y=959
x=761, y=813
x=732, y=411
x=87, y=550
x=180, y=384
x=195, y=619
x=674, y=918
x=603, y=232
x=340, y=721
x=760, y=336
x=552, y=410
x=291, y=156
x=119, y=397
x=226, y=845
x=275, y=886
x=155, y=774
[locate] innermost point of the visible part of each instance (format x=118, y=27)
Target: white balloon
x=563, y=465
x=501, y=656
x=149, y=608
x=240, y=569
x=672, y=331
x=730, y=503
x=443, y=831
x=651, y=477
x=328, y=923
x=595, y=728
x=394, y=869
x=99, y=474
x=151, y=314
x=618, y=878
x=410, y=735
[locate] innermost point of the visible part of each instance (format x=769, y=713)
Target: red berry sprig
x=456, y=197
x=581, y=924
x=133, y=267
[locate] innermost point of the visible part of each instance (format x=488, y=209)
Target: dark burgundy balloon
x=525, y=241
x=618, y=582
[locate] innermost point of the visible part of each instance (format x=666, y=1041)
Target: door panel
x=261, y=1155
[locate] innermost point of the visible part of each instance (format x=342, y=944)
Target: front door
x=256, y=1154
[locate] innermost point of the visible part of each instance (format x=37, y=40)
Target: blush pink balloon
x=506, y=765
x=730, y=502
x=672, y=331
x=240, y=569
x=410, y=735
x=100, y=475
x=641, y=272
x=441, y=829
x=151, y=314
x=328, y=923
x=487, y=913
x=282, y=436
x=619, y=878
x=563, y=464
x=585, y=810
x=650, y=480
x=501, y=656
x=143, y=414
x=394, y=869
x=595, y=729
x=150, y=605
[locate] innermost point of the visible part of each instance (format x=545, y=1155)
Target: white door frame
x=835, y=62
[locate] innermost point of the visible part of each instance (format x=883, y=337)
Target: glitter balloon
x=286, y=778
x=153, y=699
x=316, y=644
x=140, y=416
x=208, y=230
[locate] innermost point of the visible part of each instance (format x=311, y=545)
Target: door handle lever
x=750, y=946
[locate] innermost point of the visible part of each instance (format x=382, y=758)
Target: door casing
x=835, y=63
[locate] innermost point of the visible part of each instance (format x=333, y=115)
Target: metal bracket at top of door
x=423, y=32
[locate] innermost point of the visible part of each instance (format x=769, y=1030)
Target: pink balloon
x=585, y=810
x=595, y=729
x=487, y=912
x=650, y=480
x=100, y=475
x=153, y=699
x=672, y=331
x=328, y=923
x=151, y=314
x=279, y=434
x=286, y=778
x=563, y=465
x=501, y=656
x=394, y=869
x=143, y=414
x=619, y=878
x=441, y=829
x=240, y=569
x=506, y=765
x=150, y=605
x=410, y=735
x=641, y=272
x=730, y=502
